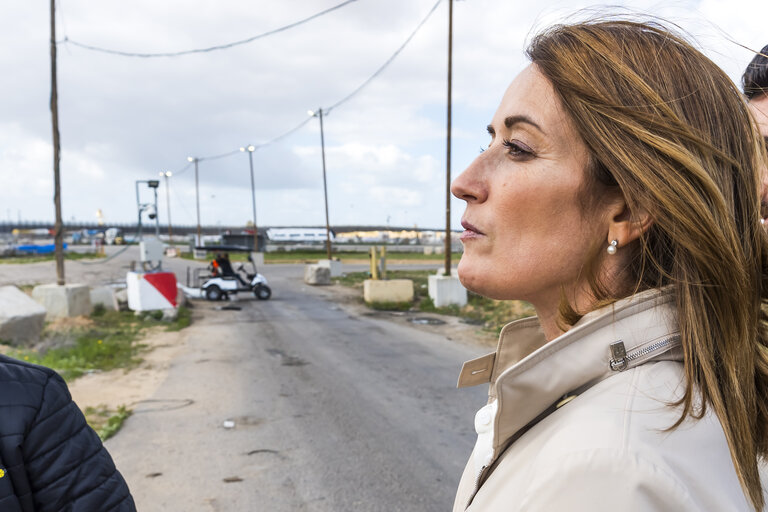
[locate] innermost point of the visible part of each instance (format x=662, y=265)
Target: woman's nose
x=469, y=185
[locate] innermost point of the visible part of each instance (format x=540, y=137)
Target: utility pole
x=197, y=200
x=168, y=174
x=251, y=148
x=325, y=189
x=319, y=114
x=448, y=147
x=58, y=226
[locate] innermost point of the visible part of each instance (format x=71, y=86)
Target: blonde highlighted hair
x=669, y=130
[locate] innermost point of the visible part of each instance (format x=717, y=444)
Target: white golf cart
x=224, y=282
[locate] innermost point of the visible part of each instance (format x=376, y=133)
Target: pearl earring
x=612, y=248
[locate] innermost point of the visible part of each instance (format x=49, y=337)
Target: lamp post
x=197, y=200
x=319, y=114
x=166, y=175
x=250, y=149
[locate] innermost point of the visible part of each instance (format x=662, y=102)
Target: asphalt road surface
x=333, y=410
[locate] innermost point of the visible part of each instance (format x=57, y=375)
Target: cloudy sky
x=124, y=119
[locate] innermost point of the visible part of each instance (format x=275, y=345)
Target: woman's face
x=526, y=230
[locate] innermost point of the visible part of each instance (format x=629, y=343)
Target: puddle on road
x=423, y=320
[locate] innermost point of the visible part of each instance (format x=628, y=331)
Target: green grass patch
x=106, y=422
x=390, y=306
x=110, y=341
x=312, y=256
x=36, y=258
x=491, y=314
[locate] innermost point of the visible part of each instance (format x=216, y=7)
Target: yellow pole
x=374, y=266
x=383, y=261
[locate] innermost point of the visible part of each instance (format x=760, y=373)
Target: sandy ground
x=120, y=387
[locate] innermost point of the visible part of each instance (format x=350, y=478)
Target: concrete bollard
x=21, y=318
x=63, y=301
x=317, y=275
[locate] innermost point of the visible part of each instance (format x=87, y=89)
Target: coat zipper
x=620, y=358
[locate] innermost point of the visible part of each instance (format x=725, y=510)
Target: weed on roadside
x=107, y=341
x=106, y=422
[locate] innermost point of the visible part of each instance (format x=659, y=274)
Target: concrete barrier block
x=148, y=291
x=258, y=258
x=104, y=295
x=333, y=265
x=317, y=275
x=21, y=318
x=446, y=290
x=63, y=301
x=391, y=290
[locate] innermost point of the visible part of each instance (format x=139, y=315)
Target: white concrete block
x=317, y=275
x=21, y=318
x=333, y=265
x=104, y=295
x=446, y=290
x=258, y=258
x=390, y=290
x=63, y=301
x=428, y=249
x=151, y=290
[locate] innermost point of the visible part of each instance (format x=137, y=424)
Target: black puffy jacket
x=50, y=459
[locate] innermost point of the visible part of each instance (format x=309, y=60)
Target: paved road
x=333, y=411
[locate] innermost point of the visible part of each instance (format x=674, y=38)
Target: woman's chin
x=469, y=276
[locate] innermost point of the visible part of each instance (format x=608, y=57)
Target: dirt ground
x=129, y=387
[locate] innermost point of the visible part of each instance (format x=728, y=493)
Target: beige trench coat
x=580, y=423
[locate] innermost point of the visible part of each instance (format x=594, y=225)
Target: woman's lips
x=470, y=231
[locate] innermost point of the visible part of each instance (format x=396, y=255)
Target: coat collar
x=527, y=375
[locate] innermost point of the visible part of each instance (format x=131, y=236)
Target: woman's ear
x=626, y=225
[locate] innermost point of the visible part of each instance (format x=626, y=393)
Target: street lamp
x=197, y=200
x=319, y=114
x=251, y=148
x=166, y=175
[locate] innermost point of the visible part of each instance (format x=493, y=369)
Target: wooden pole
x=58, y=226
x=448, y=147
x=325, y=189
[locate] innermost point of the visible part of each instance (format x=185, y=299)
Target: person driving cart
x=225, y=267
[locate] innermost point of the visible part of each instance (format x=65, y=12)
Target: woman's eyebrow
x=510, y=121
x=491, y=131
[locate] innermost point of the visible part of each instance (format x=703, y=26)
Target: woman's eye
x=483, y=148
x=518, y=149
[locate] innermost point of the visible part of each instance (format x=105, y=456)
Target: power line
x=387, y=63
x=216, y=157
x=208, y=49
x=344, y=99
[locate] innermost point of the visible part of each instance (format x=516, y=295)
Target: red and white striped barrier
x=153, y=290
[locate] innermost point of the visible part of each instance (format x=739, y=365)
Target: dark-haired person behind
x=50, y=459
x=755, y=83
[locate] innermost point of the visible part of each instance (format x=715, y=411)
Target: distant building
x=298, y=235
